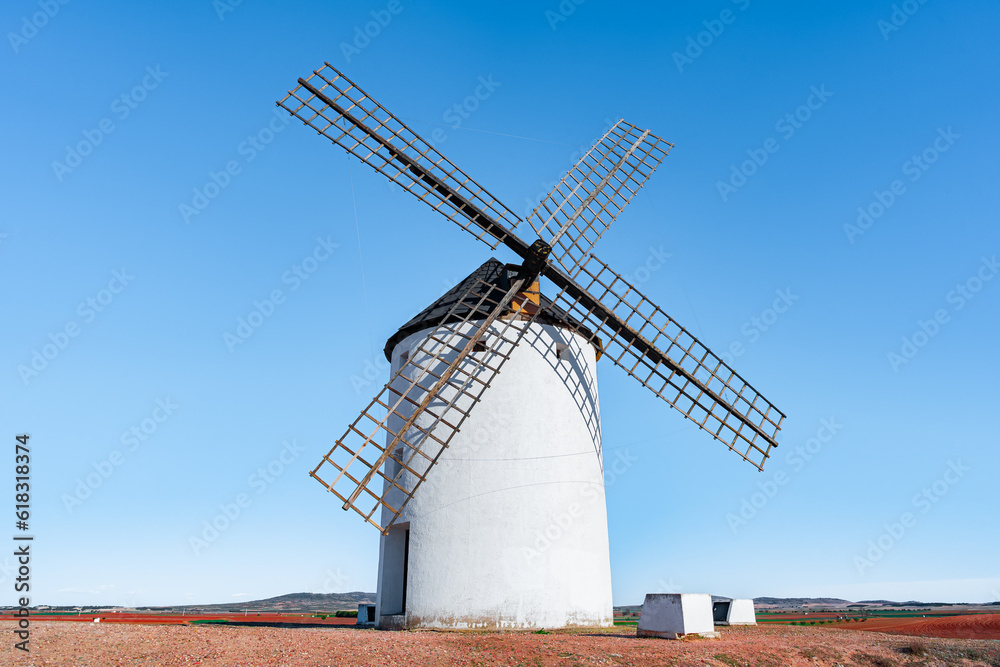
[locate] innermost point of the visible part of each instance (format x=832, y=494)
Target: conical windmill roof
x=493, y=272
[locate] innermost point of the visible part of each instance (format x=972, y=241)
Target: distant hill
x=792, y=603
x=908, y=603
x=802, y=602
x=294, y=602
x=797, y=603
x=322, y=602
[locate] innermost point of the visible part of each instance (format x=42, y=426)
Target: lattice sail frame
x=675, y=342
x=367, y=130
x=591, y=195
x=572, y=218
x=367, y=476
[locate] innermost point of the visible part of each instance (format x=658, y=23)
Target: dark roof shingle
x=493, y=272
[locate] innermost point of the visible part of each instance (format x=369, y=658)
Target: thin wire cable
x=508, y=488
x=680, y=280
x=502, y=134
x=524, y=458
x=361, y=258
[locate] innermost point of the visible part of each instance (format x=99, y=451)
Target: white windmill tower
x=491, y=503
x=511, y=530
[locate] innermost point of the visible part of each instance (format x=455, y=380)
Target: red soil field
x=132, y=645
x=178, y=619
x=834, y=615
x=970, y=626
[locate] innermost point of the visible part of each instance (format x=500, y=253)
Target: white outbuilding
x=741, y=612
x=510, y=528
x=677, y=615
x=727, y=611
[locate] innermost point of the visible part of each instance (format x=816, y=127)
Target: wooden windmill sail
x=378, y=465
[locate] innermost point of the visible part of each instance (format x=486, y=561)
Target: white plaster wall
x=741, y=612
x=697, y=612
x=510, y=530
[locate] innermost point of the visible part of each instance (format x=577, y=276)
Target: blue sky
x=840, y=97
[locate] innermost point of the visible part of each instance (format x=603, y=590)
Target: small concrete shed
x=677, y=615
x=366, y=615
x=726, y=611
x=741, y=612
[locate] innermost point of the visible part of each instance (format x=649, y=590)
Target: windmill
x=488, y=489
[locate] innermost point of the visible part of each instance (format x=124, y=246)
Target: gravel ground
x=114, y=645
